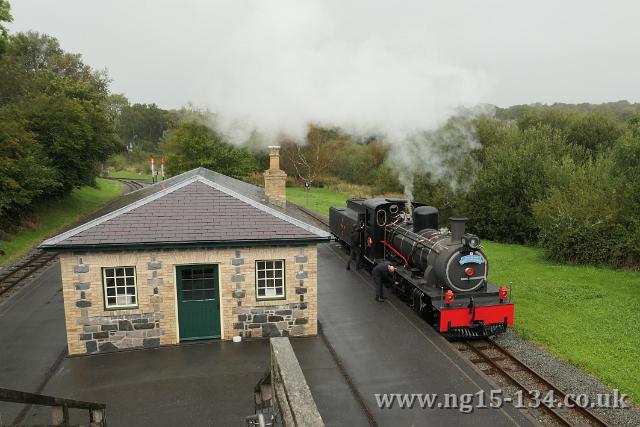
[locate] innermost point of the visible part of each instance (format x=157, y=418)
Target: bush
x=581, y=221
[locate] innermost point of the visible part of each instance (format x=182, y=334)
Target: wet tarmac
x=382, y=347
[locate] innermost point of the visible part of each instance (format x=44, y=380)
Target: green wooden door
x=198, y=302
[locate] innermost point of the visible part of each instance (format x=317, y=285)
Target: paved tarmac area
x=383, y=347
x=32, y=336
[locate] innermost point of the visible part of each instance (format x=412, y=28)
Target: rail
x=21, y=272
x=566, y=416
x=59, y=406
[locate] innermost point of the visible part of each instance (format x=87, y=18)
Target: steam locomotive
x=441, y=273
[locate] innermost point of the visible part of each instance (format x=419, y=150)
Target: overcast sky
x=222, y=53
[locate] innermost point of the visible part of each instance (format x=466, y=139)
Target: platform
x=383, y=348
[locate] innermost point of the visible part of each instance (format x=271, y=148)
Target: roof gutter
x=186, y=244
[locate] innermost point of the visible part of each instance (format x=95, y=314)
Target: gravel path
x=568, y=378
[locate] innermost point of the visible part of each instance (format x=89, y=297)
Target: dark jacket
x=381, y=273
x=355, y=236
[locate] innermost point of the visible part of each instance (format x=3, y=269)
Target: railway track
x=530, y=386
x=131, y=184
x=25, y=269
x=39, y=259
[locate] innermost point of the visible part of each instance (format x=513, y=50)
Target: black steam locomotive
x=441, y=273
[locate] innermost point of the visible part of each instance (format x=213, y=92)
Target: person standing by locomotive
x=356, y=247
x=382, y=273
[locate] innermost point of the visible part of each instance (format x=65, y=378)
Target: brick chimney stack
x=275, y=179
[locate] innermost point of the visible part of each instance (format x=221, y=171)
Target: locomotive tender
x=441, y=273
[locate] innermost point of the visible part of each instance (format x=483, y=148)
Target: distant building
x=197, y=256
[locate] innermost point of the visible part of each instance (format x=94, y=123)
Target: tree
x=313, y=159
x=514, y=175
x=5, y=16
x=595, y=131
x=193, y=144
x=26, y=173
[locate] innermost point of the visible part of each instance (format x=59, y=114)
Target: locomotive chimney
x=275, y=179
x=457, y=228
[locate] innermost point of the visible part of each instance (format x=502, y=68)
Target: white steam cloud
x=280, y=66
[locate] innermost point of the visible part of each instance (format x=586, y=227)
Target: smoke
x=369, y=69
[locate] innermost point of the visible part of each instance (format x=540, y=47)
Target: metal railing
x=59, y=407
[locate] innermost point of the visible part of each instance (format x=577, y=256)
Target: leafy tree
x=313, y=159
x=596, y=132
x=514, y=175
x=26, y=174
x=5, y=16
x=633, y=124
x=193, y=144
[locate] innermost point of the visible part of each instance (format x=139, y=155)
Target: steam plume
x=282, y=65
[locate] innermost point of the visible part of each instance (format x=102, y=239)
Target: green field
x=317, y=199
x=56, y=214
x=587, y=316
x=129, y=175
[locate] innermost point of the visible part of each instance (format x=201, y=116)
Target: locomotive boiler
x=441, y=273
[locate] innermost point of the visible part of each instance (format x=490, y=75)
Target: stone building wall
x=92, y=328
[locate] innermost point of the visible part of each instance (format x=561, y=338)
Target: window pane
x=129, y=281
x=209, y=294
x=111, y=292
x=208, y=284
x=269, y=273
x=269, y=264
x=186, y=295
x=187, y=285
x=111, y=301
x=186, y=274
x=132, y=299
x=279, y=290
x=131, y=291
x=261, y=274
x=119, y=281
x=278, y=282
x=278, y=274
x=121, y=291
x=261, y=292
x=129, y=271
x=109, y=272
x=260, y=265
x=208, y=272
x=197, y=295
x=119, y=271
x=111, y=282
x=121, y=299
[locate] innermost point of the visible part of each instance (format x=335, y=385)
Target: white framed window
x=120, y=289
x=270, y=283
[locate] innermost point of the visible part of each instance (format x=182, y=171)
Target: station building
x=198, y=256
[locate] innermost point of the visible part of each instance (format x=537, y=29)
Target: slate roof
x=197, y=207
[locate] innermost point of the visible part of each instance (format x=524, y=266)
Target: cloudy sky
x=333, y=58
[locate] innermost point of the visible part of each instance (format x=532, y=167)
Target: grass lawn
x=587, y=316
x=129, y=175
x=53, y=215
x=317, y=199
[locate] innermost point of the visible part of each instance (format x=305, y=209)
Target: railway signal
x=153, y=169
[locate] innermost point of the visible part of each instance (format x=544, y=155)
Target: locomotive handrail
x=395, y=251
